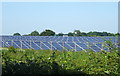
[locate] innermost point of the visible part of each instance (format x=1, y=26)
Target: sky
x=61, y=17
x=59, y=0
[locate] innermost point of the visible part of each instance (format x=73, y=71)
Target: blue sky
x=25, y=17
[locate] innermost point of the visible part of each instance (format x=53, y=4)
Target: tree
x=70, y=34
x=105, y=34
x=16, y=34
x=34, y=33
x=25, y=35
x=83, y=34
x=60, y=34
x=117, y=34
x=47, y=33
x=77, y=33
x=94, y=33
x=111, y=34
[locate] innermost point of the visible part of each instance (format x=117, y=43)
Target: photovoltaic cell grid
x=58, y=42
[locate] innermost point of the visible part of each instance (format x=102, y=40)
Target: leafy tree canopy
x=77, y=33
x=83, y=34
x=47, y=33
x=34, y=33
x=60, y=34
x=16, y=34
x=70, y=34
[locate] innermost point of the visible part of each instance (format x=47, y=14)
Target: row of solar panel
x=77, y=46
x=61, y=38
x=56, y=42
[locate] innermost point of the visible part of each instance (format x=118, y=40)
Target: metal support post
x=40, y=44
x=30, y=44
x=63, y=45
x=51, y=44
x=102, y=46
x=21, y=44
x=12, y=43
x=75, y=45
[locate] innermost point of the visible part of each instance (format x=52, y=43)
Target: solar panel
x=57, y=42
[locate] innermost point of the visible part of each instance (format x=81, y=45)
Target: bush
x=46, y=62
x=12, y=49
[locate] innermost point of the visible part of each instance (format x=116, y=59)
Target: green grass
x=47, y=62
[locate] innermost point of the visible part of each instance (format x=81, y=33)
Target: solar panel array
x=57, y=42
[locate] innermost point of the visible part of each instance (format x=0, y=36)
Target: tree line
x=49, y=32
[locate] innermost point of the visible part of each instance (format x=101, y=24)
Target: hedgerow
x=47, y=62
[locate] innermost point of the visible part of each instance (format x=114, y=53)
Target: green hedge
x=46, y=62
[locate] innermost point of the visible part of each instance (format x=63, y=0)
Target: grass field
x=47, y=62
